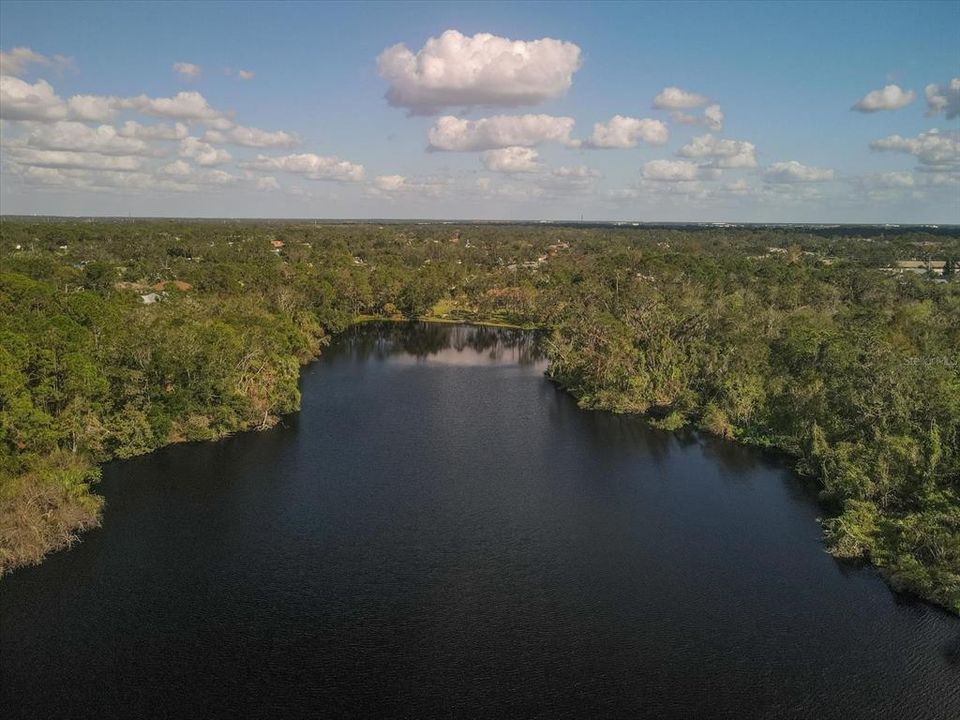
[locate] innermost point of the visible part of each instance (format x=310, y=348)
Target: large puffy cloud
x=15, y=62
x=315, y=167
x=251, y=137
x=628, y=132
x=500, y=131
x=793, y=172
x=455, y=70
x=891, y=97
x=674, y=98
x=75, y=136
x=930, y=148
x=720, y=153
x=20, y=100
x=203, y=153
x=511, y=160
x=944, y=99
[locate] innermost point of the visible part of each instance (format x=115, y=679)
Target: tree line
x=788, y=338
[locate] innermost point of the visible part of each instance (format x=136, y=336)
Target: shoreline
x=68, y=536
x=365, y=319
x=83, y=507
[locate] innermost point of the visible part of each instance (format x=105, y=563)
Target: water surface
x=440, y=532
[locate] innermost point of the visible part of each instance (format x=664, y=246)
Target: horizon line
x=478, y=221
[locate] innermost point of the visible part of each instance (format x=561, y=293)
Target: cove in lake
x=440, y=532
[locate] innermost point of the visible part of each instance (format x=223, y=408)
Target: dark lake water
x=440, y=532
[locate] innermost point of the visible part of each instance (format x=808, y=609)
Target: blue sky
x=758, y=126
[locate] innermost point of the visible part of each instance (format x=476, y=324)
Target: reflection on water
x=439, y=342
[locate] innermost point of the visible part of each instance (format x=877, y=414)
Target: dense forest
x=118, y=337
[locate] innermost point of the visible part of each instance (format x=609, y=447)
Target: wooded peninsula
x=839, y=346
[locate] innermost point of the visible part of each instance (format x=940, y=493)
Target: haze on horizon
x=693, y=112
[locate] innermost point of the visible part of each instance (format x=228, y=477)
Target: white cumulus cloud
x=251, y=137
x=76, y=136
x=944, y=99
x=456, y=70
x=390, y=183
x=20, y=100
x=891, y=97
x=187, y=105
x=66, y=159
x=568, y=180
x=930, y=148
x=314, y=167
x=203, y=153
x=177, y=168
x=511, y=160
x=674, y=98
x=792, y=171
x=187, y=70
x=671, y=171
x=15, y=62
x=628, y=132
x=501, y=131
x=721, y=153
x=93, y=108
x=160, y=131
x=184, y=172
x=711, y=119
x=887, y=180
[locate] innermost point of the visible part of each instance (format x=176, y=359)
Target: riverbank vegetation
x=118, y=337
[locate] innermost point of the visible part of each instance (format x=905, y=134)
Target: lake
x=441, y=532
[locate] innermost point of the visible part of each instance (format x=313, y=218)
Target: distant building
x=918, y=267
